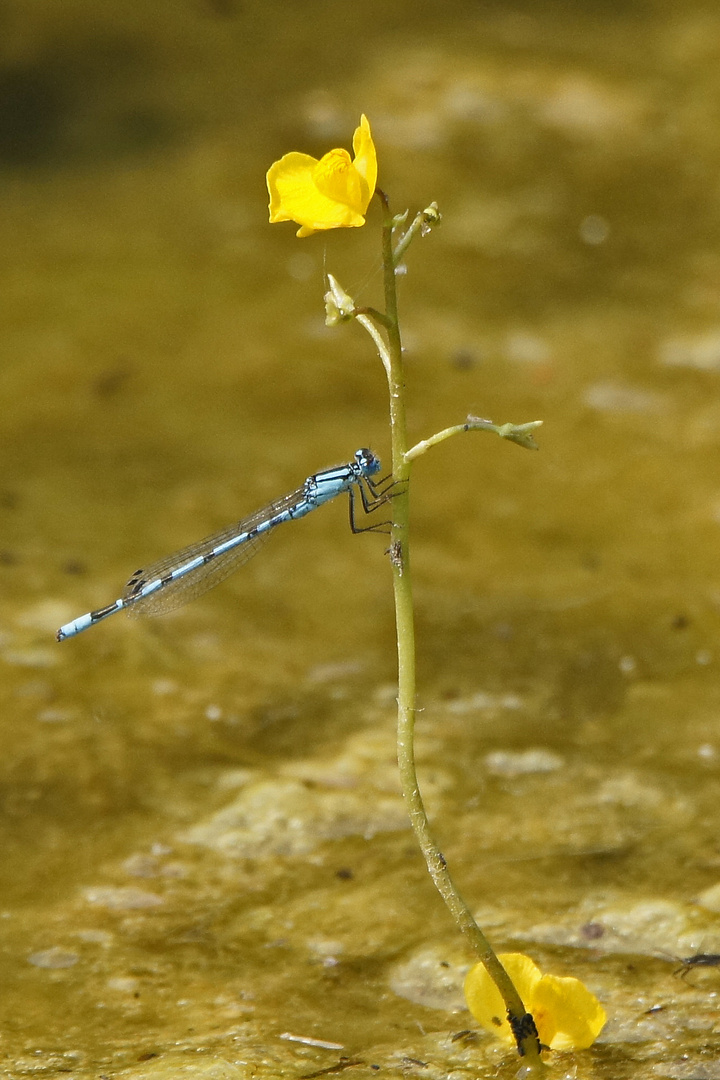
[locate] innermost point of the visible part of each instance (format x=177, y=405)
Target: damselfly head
x=369, y=464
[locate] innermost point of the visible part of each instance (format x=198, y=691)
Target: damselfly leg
x=372, y=499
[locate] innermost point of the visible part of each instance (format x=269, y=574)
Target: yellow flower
x=331, y=193
x=566, y=1014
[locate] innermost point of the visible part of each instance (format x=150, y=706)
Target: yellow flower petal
x=335, y=177
x=365, y=156
x=289, y=182
x=328, y=194
x=484, y=999
x=567, y=1015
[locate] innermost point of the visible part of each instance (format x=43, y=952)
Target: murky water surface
x=206, y=860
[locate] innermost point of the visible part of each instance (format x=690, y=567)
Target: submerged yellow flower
x=331, y=193
x=566, y=1014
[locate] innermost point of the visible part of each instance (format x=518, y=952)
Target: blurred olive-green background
x=204, y=848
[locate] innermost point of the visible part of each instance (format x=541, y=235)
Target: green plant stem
x=419, y=223
x=367, y=323
x=407, y=238
x=518, y=433
x=520, y=1020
